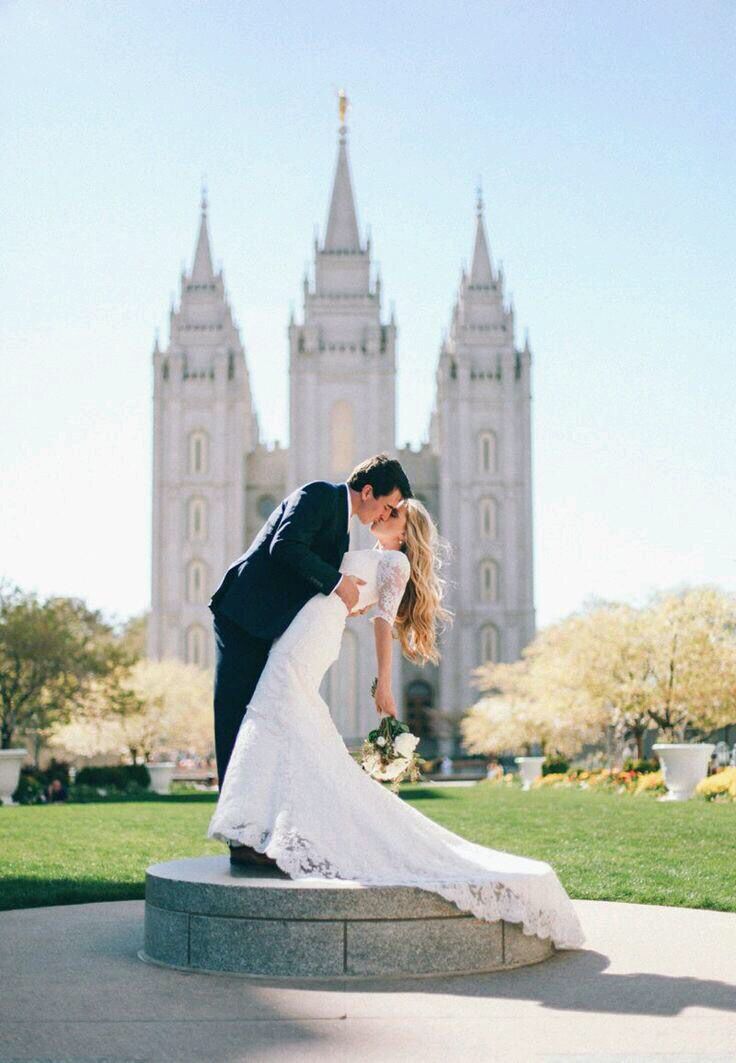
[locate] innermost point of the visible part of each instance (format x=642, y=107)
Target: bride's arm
x=384, y=697
x=391, y=578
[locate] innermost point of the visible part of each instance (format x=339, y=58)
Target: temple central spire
x=342, y=223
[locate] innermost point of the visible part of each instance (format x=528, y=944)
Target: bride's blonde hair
x=421, y=612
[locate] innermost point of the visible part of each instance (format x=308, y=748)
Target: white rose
x=396, y=767
x=380, y=741
x=405, y=744
x=371, y=763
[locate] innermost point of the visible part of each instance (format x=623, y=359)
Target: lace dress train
x=293, y=791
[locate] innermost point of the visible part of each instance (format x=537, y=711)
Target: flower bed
x=718, y=787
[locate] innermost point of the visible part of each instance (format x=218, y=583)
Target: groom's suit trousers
x=239, y=660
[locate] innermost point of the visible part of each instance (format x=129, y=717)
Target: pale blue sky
x=604, y=134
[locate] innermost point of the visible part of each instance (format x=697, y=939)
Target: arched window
x=342, y=438
x=266, y=506
x=419, y=702
x=487, y=452
x=198, y=453
x=488, y=648
x=488, y=581
x=197, y=520
x=196, y=582
x=196, y=648
x=489, y=518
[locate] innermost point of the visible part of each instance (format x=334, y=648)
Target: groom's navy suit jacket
x=295, y=555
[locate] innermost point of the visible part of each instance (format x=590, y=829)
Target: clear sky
x=605, y=135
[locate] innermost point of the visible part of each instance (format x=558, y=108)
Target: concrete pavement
x=652, y=984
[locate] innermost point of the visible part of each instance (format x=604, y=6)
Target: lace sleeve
x=392, y=576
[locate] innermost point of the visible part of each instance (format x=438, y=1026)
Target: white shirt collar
x=347, y=488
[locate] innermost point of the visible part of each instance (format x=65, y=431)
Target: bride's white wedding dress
x=293, y=791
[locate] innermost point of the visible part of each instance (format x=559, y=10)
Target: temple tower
x=481, y=433
x=342, y=366
x=203, y=424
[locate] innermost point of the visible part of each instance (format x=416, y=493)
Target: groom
x=295, y=555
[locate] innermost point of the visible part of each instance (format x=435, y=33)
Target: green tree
x=50, y=652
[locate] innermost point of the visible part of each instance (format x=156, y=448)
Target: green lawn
x=603, y=846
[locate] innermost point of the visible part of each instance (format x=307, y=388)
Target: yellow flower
x=723, y=782
x=652, y=780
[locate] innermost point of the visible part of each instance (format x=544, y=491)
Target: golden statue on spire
x=343, y=103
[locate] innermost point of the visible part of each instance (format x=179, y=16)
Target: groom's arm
x=305, y=516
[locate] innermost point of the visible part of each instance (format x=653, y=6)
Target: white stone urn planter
x=684, y=764
x=10, y=762
x=530, y=768
x=161, y=776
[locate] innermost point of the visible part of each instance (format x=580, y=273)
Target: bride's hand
x=385, y=701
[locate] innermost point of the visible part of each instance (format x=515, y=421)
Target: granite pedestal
x=202, y=914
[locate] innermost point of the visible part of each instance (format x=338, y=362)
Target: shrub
x=555, y=766
x=86, y=794
x=641, y=767
x=123, y=777
x=29, y=790
x=33, y=781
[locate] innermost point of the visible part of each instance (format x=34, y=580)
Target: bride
x=320, y=814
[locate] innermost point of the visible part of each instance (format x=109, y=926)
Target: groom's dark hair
x=384, y=475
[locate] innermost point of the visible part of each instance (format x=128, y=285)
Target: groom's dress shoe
x=246, y=856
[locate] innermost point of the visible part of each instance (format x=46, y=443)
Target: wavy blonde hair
x=421, y=614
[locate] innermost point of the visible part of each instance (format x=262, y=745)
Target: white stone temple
x=215, y=480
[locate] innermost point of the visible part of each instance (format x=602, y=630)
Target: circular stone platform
x=202, y=914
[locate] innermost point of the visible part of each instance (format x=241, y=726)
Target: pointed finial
x=342, y=105
x=479, y=197
x=156, y=348
x=527, y=348
x=203, y=203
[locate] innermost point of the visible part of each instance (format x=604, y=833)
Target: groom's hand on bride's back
x=348, y=590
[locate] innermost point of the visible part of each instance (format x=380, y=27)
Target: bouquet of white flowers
x=389, y=752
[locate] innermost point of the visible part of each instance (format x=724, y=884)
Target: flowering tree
x=512, y=716
x=693, y=662
x=669, y=665
x=156, y=708
x=501, y=720
x=608, y=659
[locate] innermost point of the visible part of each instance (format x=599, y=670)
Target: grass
x=603, y=846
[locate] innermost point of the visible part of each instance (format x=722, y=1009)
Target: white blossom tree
x=160, y=708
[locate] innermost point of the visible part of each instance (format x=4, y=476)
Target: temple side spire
x=202, y=272
x=342, y=223
x=481, y=271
